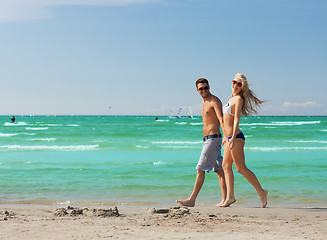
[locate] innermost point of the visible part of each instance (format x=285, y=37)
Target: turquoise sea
x=135, y=160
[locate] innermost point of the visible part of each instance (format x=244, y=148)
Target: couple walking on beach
x=215, y=116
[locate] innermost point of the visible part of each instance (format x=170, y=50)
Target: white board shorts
x=210, y=157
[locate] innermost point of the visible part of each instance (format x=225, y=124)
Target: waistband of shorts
x=212, y=136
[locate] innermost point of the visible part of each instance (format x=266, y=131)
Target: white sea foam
x=176, y=147
x=280, y=123
x=8, y=134
x=159, y=163
x=15, y=134
x=324, y=130
x=63, y=203
x=72, y=125
x=15, y=124
x=44, y=139
x=181, y=123
x=308, y=141
x=36, y=128
x=195, y=124
x=50, y=125
x=166, y=120
x=55, y=147
x=143, y=147
x=274, y=149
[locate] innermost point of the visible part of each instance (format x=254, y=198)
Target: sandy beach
x=200, y=222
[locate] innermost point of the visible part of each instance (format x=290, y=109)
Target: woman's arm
x=238, y=103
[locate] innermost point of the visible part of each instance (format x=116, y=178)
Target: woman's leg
x=229, y=177
x=222, y=183
x=237, y=153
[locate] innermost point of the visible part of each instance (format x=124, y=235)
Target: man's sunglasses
x=204, y=88
x=239, y=84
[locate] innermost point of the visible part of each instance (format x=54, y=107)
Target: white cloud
x=308, y=104
x=23, y=10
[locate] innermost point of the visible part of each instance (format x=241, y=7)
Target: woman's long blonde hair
x=251, y=102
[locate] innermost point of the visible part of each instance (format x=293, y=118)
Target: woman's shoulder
x=237, y=99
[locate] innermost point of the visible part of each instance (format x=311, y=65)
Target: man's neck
x=207, y=98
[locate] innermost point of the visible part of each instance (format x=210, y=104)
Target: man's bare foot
x=221, y=203
x=186, y=203
x=228, y=202
x=264, y=198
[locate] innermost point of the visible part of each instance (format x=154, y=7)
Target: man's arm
x=217, y=105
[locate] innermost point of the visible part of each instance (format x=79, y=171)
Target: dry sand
x=201, y=222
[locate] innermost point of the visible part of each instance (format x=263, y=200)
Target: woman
x=242, y=102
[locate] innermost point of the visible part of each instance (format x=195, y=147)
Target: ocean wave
x=50, y=125
x=280, y=123
x=44, y=139
x=143, y=147
x=176, y=147
x=195, y=124
x=15, y=134
x=308, y=141
x=176, y=142
x=162, y=120
x=274, y=149
x=55, y=147
x=159, y=163
x=8, y=134
x=72, y=125
x=36, y=128
x=181, y=123
x=15, y=124
x=63, y=203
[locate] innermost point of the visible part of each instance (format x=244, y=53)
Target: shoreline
x=39, y=222
x=240, y=203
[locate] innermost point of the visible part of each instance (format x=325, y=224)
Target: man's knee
x=220, y=172
x=200, y=172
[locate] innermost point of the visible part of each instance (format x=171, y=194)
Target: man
x=210, y=158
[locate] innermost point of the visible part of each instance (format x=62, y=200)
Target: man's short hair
x=201, y=80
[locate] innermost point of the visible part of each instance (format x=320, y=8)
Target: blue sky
x=142, y=57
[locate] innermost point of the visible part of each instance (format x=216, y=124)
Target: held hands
x=225, y=140
x=231, y=143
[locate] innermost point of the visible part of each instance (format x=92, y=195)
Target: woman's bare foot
x=186, y=203
x=228, y=202
x=221, y=203
x=264, y=198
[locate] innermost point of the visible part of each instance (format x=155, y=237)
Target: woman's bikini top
x=228, y=108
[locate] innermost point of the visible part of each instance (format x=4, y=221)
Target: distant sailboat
x=179, y=112
x=191, y=114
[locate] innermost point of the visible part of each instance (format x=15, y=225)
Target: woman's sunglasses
x=239, y=84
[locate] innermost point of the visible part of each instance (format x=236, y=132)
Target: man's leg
x=190, y=202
